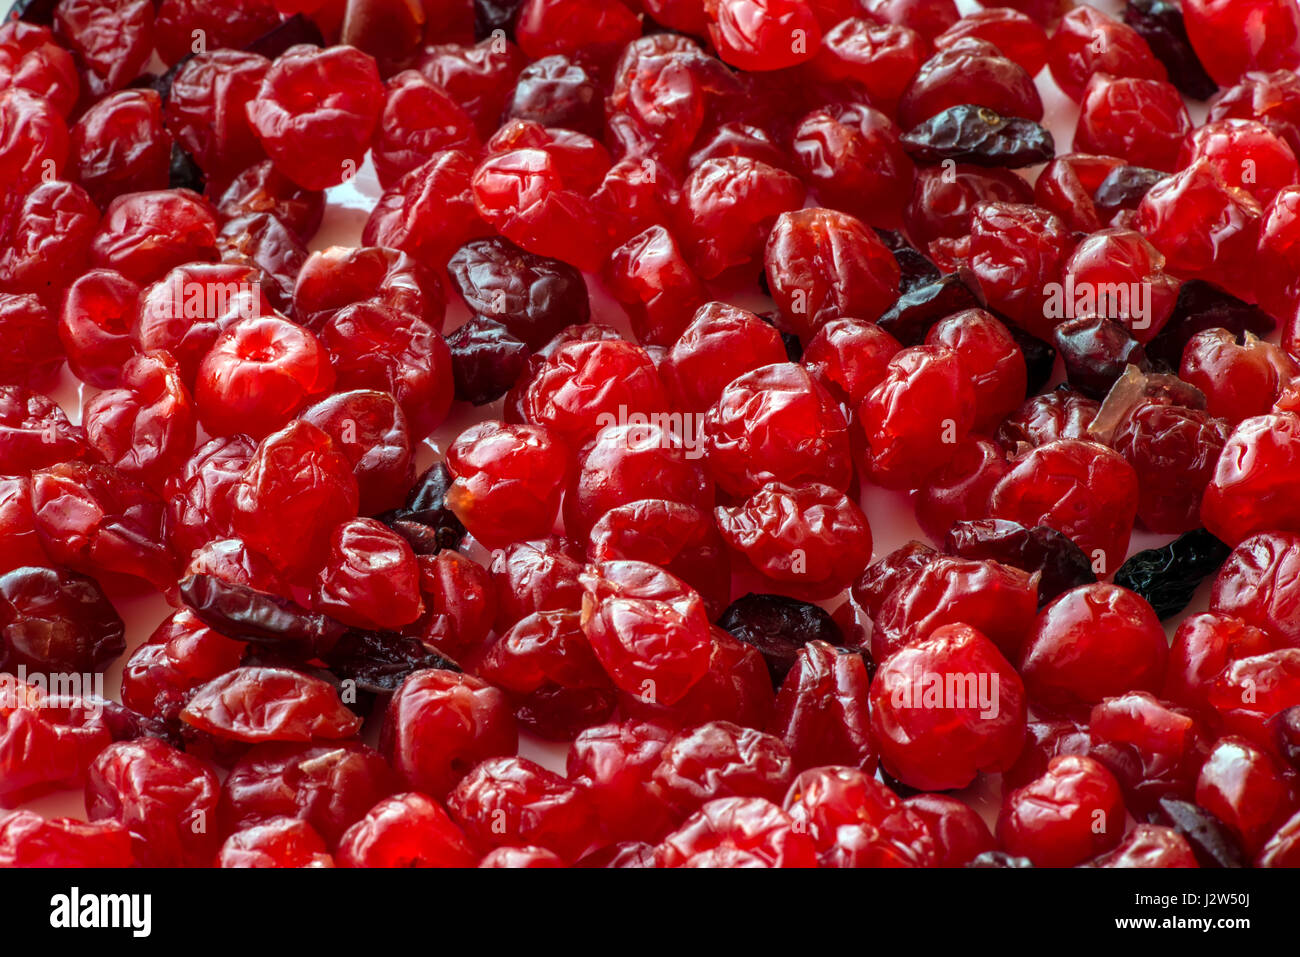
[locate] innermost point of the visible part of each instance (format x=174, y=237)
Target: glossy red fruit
x=48, y=245
x=721, y=343
x=822, y=265
x=1239, y=379
x=584, y=386
x=627, y=463
x=882, y=58
x=419, y=118
x=269, y=704
x=514, y=801
x=946, y=708
x=1245, y=789
x=1150, y=845
x=341, y=276
x=405, y=830
x=1246, y=154
x=942, y=200
x=95, y=326
x=852, y=158
x=370, y=580
x=440, y=724
x=35, y=148
x=1017, y=252
x=1082, y=489
x=1016, y=35
x=1231, y=38
x=508, y=481
x=120, y=146
x=280, y=842
x=1067, y=185
x=459, y=604
x=1249, y=491
x=649, y=629
x=763, y=34
x=650, y=276
x=812, y=539
x=144, y=235
x=31, y=58
x=718, y=760
x=30, y=354
x=479, y=77
x=1139, y=120
x=1072, y=813
x=1094, y=642
x=959, y=832
x=113, y=40
x=1087, y=42
x=44, y=747
x=35, y=432
x=165, y=798
x=315, y=113
x=916, y=416
x=1205, y=228
x=611, y=765
x=855, y=821
x=297, y=487
x=97, y=520
x=962, y=490
x=145, y=429
x=198, y=494
x=224, y=23
x=206, y=110
x=821, y=712
x=776, y=424
x=738, y=832
x=568, y=26
x=969, y=72
x=19, y=543
x=727, y=209
x=29, y=840
x=328, y=786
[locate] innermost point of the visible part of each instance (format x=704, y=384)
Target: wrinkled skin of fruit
x=855, y=821
x=1240, y=499
x=405, y=830
x=29, y=840
x=440, y=724
x=315, y=112
x=738, y=832
x=721, y=343
x=57, y=621
x=717, y=760
x=166, y=799
x=611, y=765
x=280, y=842
x=820, y=710
x=946, y=707
x=269, y=704
x=776, y=424
x=514, y=801
x=1072, y=813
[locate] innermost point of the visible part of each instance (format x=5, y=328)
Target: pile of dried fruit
x=651, y=546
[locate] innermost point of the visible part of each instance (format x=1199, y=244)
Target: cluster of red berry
x=680, y=583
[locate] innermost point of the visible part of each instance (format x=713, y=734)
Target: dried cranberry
x=406, y=830
x=1073, y=812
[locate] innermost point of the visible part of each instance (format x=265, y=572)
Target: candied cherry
x=418, y=119
x=371, y=579
x=545, y=27
x=1245, y=789
x=296, y=488
x=945, y=708
x=1074, y=812
x=31, y=350
x=144, y=235
x=513, y=801
x=812, y=538
x=850, y=358
x=341, y=276
x=145, y=429
x=508, y=480
x=48, y=244
x=1140, y=120
x=717, y=760
x=1149, y=846
x=315, y=112
x=763, y=34
x=823, y=264
x=1087, y=42
x=440, y=724
x=650, y=276
x=29, y=840
x=269, y=704
x=648, y=628
x=259, y=373
x=776, y=423
x=738, y=832
x=405, y=830
x=721, y=343
x=120, y=146
x=960, y=491
x=1239, y=379
x=820, y=712
x=206, y=110
x=727, y=209
x=1231, y=38
x=1246, y=154
x=165, y=798
x=943, y=199
x=969, y=72
x=31, y=58
x=1017, y=252
x=1017, y=36
x=914, y=418
x=960, y=833
x=1068, y=184
x=852, y=158
x=1094, y=642
x=1206, y=228
x=612, y=765
x=1249, y=491
x=279, y=842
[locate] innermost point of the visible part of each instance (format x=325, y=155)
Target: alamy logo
x=57, y=689
x=947, y=690
x=1127, y=301
x=77, y=910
